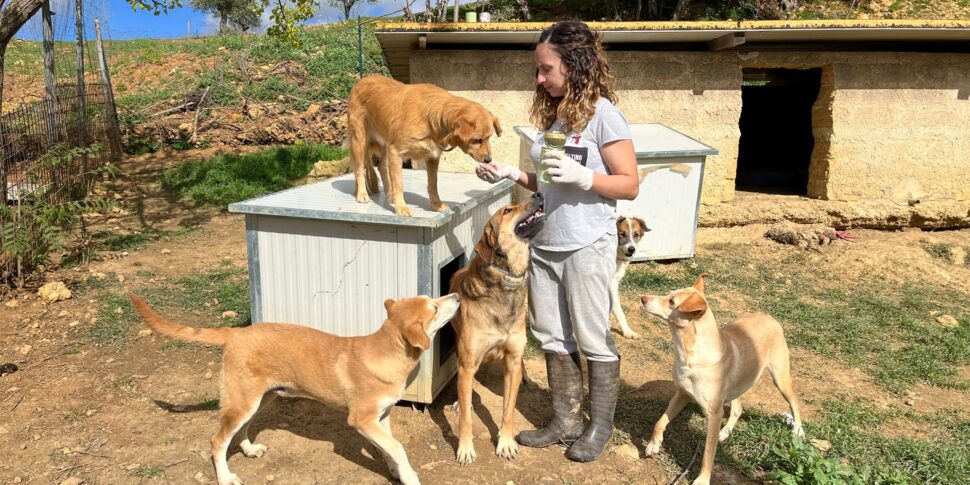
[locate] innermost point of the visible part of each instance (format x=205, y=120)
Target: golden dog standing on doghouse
x=398, y=122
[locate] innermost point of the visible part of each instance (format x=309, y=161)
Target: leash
x=687, y=468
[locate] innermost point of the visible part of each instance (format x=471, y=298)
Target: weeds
x=225, y=179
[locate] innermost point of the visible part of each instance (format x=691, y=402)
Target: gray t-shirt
x=577, y=217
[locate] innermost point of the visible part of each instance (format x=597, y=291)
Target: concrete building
x=851, y=123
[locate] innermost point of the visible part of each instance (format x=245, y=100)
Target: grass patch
x=209, y=292
x=147, y=471
x=860, y=454
x=888, y=331
x=227, y=178
x=941, y=251
x=218, y=290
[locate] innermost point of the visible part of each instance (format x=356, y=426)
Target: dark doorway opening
x=446, y=337
x=776, y=144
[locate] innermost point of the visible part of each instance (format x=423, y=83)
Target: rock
x=208, y=374
x=820, y=444
x=52, y=292
x=63, y=313
x=229, y=314
x=270, y=478
x=958, y=255
x=947, y=321
x=72, y=481
x=433, y=447
x=185, y=127
x=4, y=430
x=166, y=251
x=144, y=333
x=200, y=477
x=26, y=349
x=234, y=117
x=627, y=450
x=12, y=304
x=312, y=110
x=74, y=323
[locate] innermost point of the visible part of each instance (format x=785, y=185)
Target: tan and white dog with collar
x=715, y=365
x=629, y=232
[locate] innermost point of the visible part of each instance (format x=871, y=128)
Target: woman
x=574, y=256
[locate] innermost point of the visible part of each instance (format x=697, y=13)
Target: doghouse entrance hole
x=776, y=144
x=446, y=336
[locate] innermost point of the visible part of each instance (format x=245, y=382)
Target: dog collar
x=510, y=280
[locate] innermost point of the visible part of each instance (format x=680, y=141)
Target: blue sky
x=118, y=21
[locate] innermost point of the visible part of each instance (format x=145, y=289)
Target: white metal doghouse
x=319, y=258
x=670, y=194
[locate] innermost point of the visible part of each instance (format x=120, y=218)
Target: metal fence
x=29, y=132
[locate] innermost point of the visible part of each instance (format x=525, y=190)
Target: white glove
x=564, y=170
x=493, y=172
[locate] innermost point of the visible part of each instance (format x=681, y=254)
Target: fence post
x=50, y=93
x=114, y=131
x=82, y=102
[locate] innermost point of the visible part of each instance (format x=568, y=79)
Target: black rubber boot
x=566, y=388
x=604, y=385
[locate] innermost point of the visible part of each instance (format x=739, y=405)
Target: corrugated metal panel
x=668, y=204
x=333, y=276
x=669, y=196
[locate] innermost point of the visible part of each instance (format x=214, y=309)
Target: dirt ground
x=141, y=413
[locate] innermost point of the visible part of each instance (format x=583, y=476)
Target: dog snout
x=645, y=299
x=487, y=159
x=629, y=250
x=538, y=197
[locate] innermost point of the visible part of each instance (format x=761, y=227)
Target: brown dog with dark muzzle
x=491, y=321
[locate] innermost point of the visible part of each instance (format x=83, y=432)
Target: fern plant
x=40, y=223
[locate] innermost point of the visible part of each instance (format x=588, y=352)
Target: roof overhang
x=399, y=39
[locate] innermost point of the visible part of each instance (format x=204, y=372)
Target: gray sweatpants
x=569, y=299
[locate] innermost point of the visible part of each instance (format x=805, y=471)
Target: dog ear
x=699, y=282
x=388, y=303
x=486, y=245
x=415, y=335
x=496, y=126
x=643, y=224
x=694, y=304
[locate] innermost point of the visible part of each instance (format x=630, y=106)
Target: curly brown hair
x=587, y=73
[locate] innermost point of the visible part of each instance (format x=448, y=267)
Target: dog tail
x=161, y=326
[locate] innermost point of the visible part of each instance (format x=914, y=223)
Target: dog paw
x=403, y=211
x=724, y=434
x=701, y=481
x=507, y=448
x=410, y=478
x=440, y=207
x=631, y=335
x=797, y=430
x=230, y=479
x=363, y=198
x=253, y=450
x=454, y=407
x=652, y=449
x=466, y=454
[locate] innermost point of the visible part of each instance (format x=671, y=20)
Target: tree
x=12, y=17
x=346, y=5
x=233, y=14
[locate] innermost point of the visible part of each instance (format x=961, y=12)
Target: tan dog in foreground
x=363, y=375
x=398, y=122
x=713, y=366
x=490, y=324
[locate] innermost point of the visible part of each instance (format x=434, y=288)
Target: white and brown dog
x=629, y=232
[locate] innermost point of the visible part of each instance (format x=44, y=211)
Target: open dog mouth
x=530, y=226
